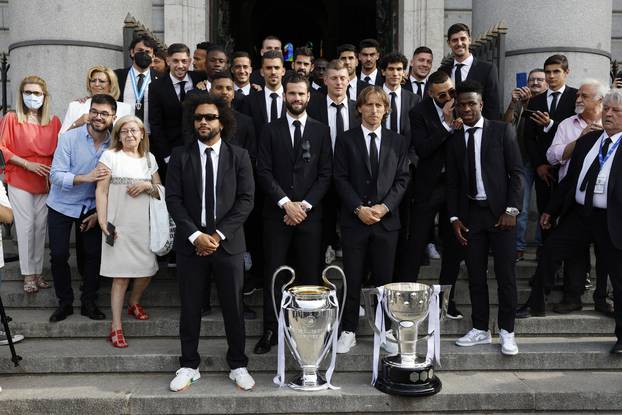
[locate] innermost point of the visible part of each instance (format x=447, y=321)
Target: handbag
x=161, y=225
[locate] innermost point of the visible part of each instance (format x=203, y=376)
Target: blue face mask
x=33, y=102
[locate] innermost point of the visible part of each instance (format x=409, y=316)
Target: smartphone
x=111, y=234
x=521, y=79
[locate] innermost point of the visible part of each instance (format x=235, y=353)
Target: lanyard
x=139, y=94
x=602, y=160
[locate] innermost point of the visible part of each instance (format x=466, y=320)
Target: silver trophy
x=407, y=305
x=308, y=318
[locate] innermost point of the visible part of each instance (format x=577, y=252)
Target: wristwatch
x=512, y=211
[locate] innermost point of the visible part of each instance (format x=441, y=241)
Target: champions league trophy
x=308, y=320
x=407, y=305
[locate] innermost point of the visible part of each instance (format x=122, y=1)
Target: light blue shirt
x=75, y=155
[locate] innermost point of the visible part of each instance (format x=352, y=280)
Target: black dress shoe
x=206, y=311
x=565, y=308
x=91, y=311
x=453, y=313
x=604, y=308
x=526, y=311
x=61, y=313
x=617, y=348
x=249, y=313
x=266, y=342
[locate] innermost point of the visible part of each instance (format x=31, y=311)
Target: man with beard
x=294, y=170
x=209, y=194
x=369, y=55
x=71, y=202
x=303, y=61
x=420, y=67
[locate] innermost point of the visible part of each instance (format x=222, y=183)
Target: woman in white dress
x=123, y=200
x=99, y=80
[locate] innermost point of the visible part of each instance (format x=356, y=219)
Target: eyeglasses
x=206, y=117
x=537, y=79
x=306, y=151
x=133, y=131
x=98, y=81
x=104, y=114
x=449, y=94
x=35, y=93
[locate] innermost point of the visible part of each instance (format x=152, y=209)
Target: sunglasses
x=35, y=93
x=206, y=117
x=306, y=151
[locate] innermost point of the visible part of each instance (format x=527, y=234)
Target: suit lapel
x=173, y=98
x=261, y=98
x=196, y=168
x=383, y=159
x=616, y=170
x=286, y=139
x=471, y=69
x=461, y=149
x=352, y=120
x=360, y=143
x=404, y=107
x=224, y=163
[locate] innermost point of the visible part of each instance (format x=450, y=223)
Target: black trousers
x=299, y=243
x=228, y=273
x=330, y=209
x=482, y=237
x=90, y=244
x=365, y=247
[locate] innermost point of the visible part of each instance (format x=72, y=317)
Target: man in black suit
x=420, y=67
x=371, y=176
x=466, y=67
x=369, y=55
x=134, y=81
x=209, y=194
x=215, y=62
x=484, y=188
x=432, y=123
x=588, y=205
x=294, y=169
x=166, y=96
x=270, y=43
x=199, y=57
x=317, y=75
x=346, y=53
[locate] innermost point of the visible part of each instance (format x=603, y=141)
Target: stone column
x=421, y=23
x=185, y=22
x=579, y=29
x=60, y=39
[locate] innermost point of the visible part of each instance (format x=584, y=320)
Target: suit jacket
x=563, y=198
x=429, y=139
x=318, y=110
x=537, y=142
x=379, y=78
x=408, y=102
x=122, y=78
x=352, y=175
x=254, y=105
x=485, y=74
x=234, y=195
x=165, y=115
x=409, y=87
x=501, y=170
x=282, y=172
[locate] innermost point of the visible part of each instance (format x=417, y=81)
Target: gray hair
x=614, y=96
x=601, y=89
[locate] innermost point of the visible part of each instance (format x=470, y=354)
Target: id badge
x=599, y=188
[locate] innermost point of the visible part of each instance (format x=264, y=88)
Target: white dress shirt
x=188, y=86
x=372, y=77
x=246, y=89
x=215, y=154
x=378, y=132
x=398, y=104
x=600, y=198
x=279, y=101
x=413, y=82
x=332, y=117
x=128, y=93
x=353, y=90
x=464, y=71
x=316, y=86
x=568, y=131
x=549, y=101
x=481, y=191
x=292, y=128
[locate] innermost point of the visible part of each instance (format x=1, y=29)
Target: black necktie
x=471, y=163
x=340, y=127
x=239, y=94
x=394, y=114
x=458, y=73
x=182, y=91
x=554, y=103
x=297, y=135
x=209, y=192
x=373, y=155
x=589, y=181
x=274, y=114
x=140, y=109
x=367, y=79
x=419, y=88
x=348, y=91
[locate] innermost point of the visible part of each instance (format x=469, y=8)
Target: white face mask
x=33, y=102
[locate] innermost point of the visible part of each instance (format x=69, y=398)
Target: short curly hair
x=225, y=114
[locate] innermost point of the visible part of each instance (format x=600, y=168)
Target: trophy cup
x=407, y=305
x=308, y=320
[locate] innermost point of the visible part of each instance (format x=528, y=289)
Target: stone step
x=161, y=355
x=462, y=392
x=33, y=323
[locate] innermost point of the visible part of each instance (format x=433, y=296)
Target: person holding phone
x=122, y=200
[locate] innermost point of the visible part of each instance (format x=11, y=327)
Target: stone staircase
x=68, y=367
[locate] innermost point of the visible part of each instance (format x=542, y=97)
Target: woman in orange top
x=28, y=140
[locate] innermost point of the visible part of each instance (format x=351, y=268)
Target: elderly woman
x=29, y=138
x=99, y=80
x=123, y=202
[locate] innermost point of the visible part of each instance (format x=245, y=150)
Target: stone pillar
x=579, y=29
x=60, y=39
x=421, y=23
x=185, y=22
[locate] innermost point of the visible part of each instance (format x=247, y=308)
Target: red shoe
x=138, y=312
x=117, y=339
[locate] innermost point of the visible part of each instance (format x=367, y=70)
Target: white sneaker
x=184, y=377
x=248, y=261
x=432, y=252
x=329, y=257
x=4, y=340
x=508, y=343
x=242, y=378
x=346, y=341
x=361, y=311
x=388, y=346
x=474, y=337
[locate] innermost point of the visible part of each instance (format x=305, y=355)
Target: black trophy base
x=395, y=380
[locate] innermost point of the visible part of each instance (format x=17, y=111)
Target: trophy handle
x=287, y=284
x=444, y=294
x=370, y=314
x=333, y=287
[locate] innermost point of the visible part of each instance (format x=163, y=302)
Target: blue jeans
x=529, y=175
